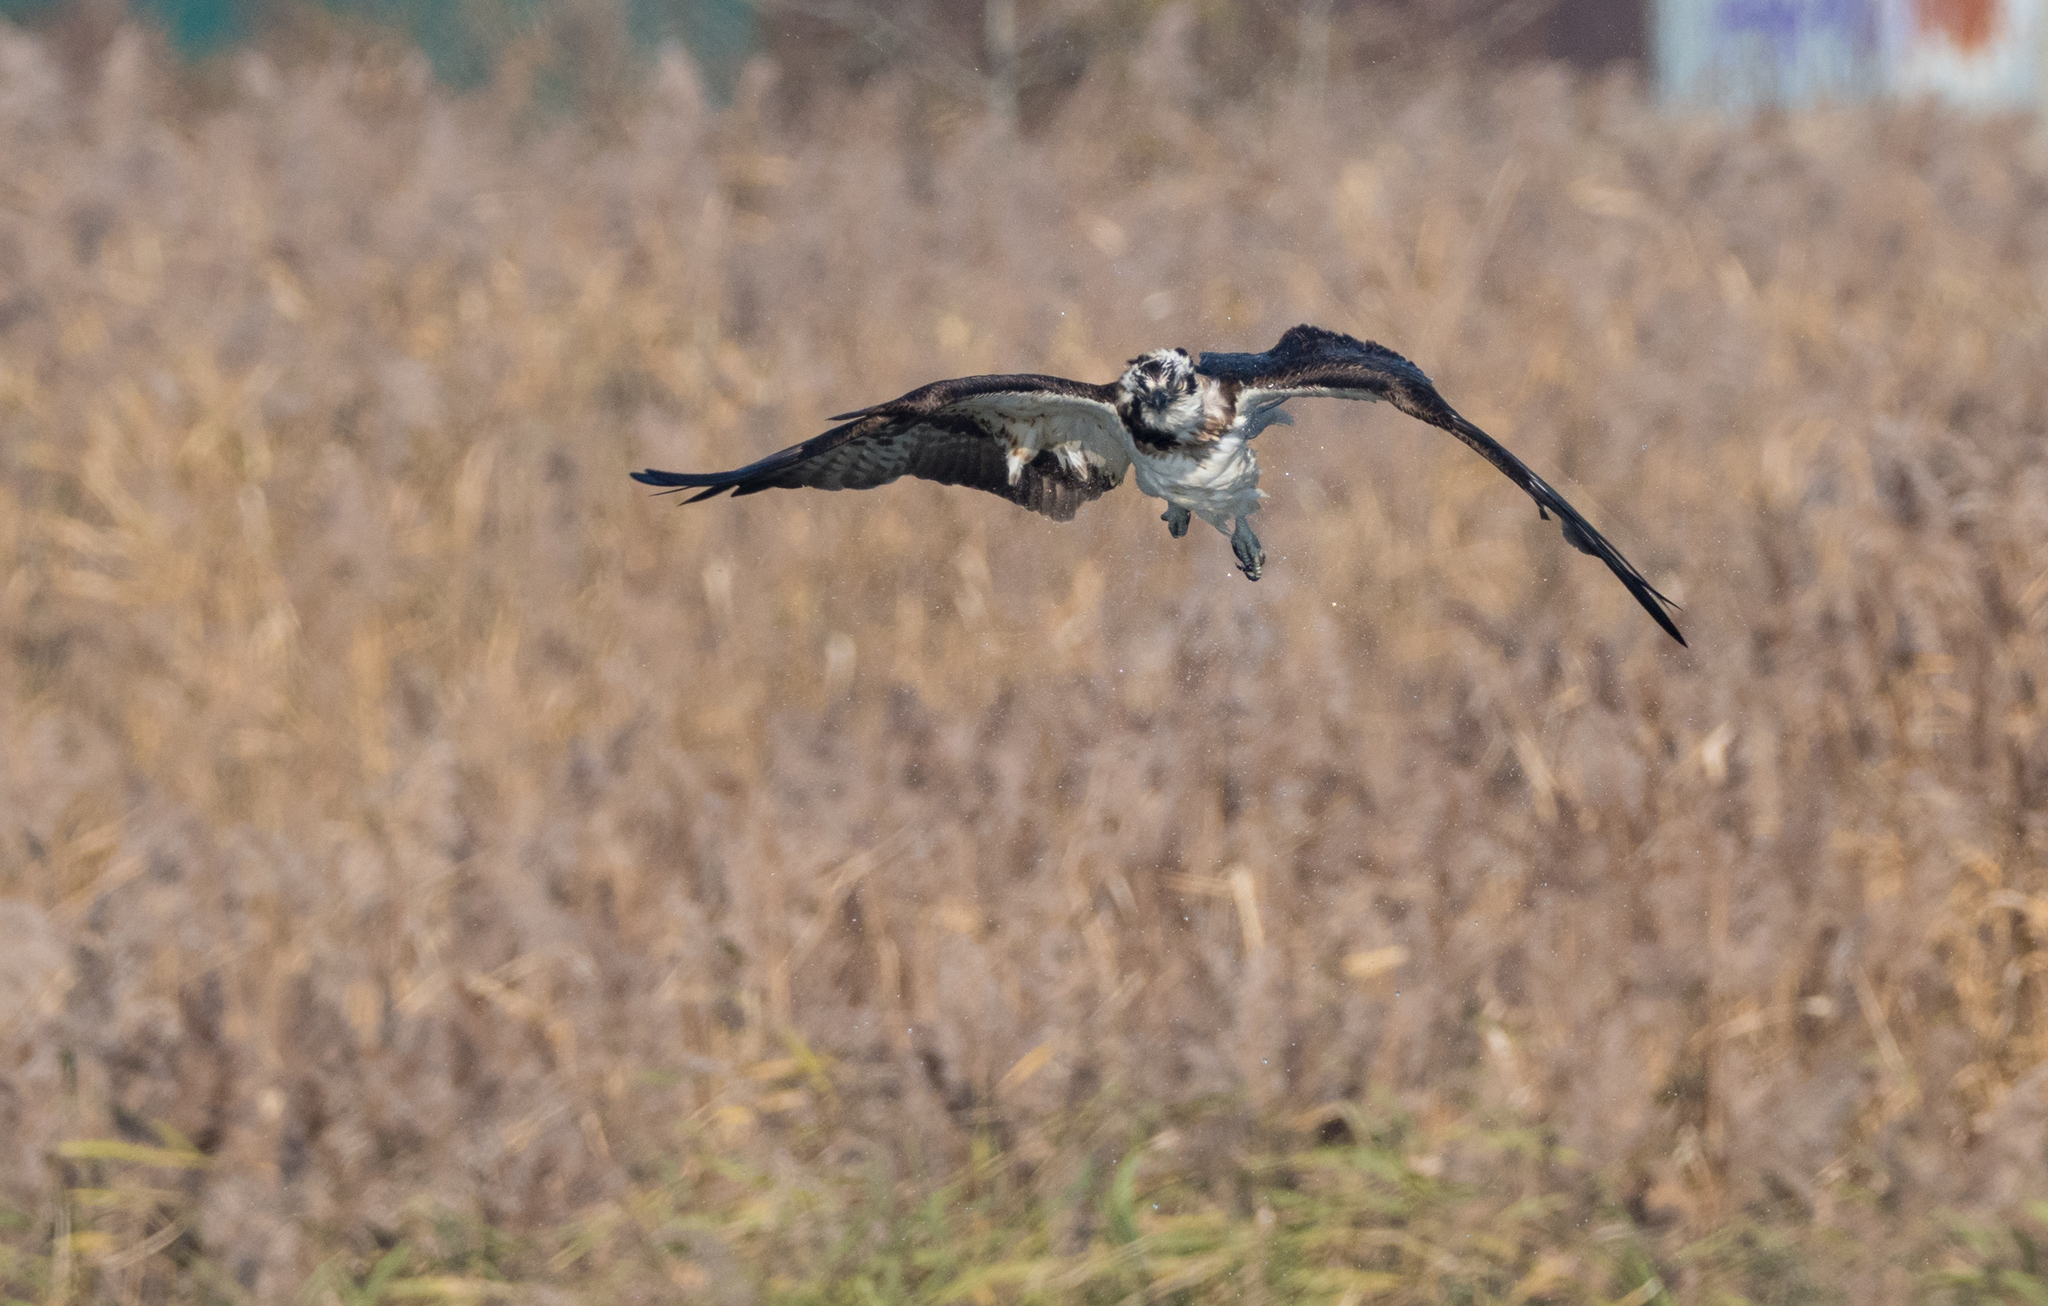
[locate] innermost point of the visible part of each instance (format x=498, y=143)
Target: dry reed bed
x=399, y=804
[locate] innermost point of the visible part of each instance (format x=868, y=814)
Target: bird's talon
x=1177, y=520
x=1251, y=556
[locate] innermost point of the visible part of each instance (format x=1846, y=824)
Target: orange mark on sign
x=1966, y=23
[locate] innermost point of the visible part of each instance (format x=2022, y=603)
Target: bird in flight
x=1184, y=429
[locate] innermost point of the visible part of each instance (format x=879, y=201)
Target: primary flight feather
x=1183, y=429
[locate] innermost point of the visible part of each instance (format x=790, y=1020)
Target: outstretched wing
x=1311, y=362
x=958, y=432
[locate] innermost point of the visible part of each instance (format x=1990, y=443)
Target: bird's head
x=1158, y=391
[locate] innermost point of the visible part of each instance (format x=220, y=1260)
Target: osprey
x=1183, y=429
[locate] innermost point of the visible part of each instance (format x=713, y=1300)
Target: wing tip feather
x=707, y=485
x=673, y=480
x=1652, y=599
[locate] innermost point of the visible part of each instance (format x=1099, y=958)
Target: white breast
x=1216, y=481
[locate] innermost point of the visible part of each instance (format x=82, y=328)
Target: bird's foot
x=1251, y=558
x=1176, y=519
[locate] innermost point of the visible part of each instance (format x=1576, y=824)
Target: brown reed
x=399, y=810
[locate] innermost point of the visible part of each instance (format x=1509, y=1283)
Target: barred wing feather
x=957, y=432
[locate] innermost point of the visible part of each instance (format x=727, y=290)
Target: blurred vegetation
x=1013, y=57
x=430, y=868
x=466, y=42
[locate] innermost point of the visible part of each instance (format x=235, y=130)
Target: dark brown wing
x=1310, y=362
x=955, y=432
